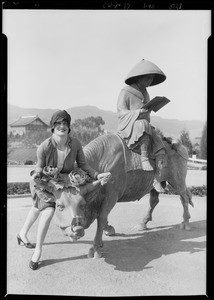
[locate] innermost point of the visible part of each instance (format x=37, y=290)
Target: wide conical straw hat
x=145, y=67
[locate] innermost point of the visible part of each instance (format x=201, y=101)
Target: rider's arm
x=123, y=102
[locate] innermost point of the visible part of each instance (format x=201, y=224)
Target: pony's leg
x=109, y=230
x=185, y=197
x=153, y=201
x=108, y=204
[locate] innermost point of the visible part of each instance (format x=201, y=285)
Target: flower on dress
x=51, y=171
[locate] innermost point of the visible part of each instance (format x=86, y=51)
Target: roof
x=26, y=120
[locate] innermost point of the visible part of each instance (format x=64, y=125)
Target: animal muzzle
x=77, y=226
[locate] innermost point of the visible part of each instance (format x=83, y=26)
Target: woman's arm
x=40, y=162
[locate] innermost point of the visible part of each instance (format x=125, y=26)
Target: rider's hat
x=145, y=67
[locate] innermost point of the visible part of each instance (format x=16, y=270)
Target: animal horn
x=89, y=187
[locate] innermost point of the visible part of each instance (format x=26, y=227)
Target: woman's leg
x=43, y=226
x=31, y=218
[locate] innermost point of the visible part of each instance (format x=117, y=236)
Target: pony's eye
x=82, y=206
x=60, y=206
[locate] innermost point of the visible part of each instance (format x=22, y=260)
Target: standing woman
x=59, y=151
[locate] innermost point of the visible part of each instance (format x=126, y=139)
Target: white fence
x=197, y=163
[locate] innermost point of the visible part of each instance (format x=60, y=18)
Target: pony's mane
x=167, y=139
x=175, y=144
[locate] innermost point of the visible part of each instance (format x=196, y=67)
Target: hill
x=170, y=127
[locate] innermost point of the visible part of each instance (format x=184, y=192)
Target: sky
x=65, y=58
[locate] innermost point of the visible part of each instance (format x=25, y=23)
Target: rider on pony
x=134, y=120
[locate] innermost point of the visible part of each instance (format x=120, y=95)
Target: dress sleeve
x=126, y=117
x=123, y=104
x=81, y=162
x=40, y=159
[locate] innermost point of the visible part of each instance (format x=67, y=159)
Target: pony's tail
x=189, y=195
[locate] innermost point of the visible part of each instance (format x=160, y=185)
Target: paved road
x=161, y=261
x=21, y=174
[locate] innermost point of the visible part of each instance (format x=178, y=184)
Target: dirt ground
x=163, y=260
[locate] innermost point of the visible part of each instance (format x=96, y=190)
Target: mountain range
x=169, y=127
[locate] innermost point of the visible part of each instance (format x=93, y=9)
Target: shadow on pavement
x=70, y=242
x=135, y=251
x=134, y=254
x=48, y=262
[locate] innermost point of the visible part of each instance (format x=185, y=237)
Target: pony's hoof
x=141, y=227
x=97, y=254
x=182, y=225
x=187, y=227
x=91, y=252
x=109, y=231
x=94, y=253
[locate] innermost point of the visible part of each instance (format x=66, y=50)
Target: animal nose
x=77, y=222
x=77, y=226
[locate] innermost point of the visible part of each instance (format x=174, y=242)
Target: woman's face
x=145, y=81
x=61, y=128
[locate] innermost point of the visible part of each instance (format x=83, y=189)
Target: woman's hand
x=104, y=177
x=144, y=110
x=36, y=175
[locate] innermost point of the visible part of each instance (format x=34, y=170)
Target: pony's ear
x=176, y=144
x=167, y=139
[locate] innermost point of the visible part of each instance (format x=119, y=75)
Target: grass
x=21, y=155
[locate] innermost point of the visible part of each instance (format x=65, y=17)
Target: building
x=27, y=125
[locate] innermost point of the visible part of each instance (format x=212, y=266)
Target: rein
x=124, y=150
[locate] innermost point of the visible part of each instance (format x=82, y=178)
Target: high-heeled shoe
x=33, y=265
x=27, y=245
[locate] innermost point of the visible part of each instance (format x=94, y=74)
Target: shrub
x=203, y=144
x=195, y=190
x=18, y=188
x=28, y=162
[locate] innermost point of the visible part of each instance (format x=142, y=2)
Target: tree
x=35, y=138
x=196, y=149
x=203, y=143
x=185, y=140
x=87, y=129
x=9, y=149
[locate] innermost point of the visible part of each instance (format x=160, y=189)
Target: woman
x=59, y=151
x=133, y=120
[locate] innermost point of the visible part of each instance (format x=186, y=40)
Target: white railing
x=196, y=163
x=203, y=161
